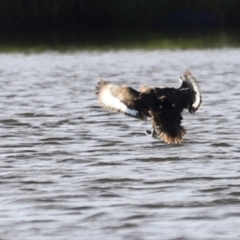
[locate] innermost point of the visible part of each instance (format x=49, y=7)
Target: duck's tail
x=168, y=127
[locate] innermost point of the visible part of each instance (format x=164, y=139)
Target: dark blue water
x=71, y=170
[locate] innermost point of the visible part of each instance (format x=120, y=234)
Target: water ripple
x=71, y=170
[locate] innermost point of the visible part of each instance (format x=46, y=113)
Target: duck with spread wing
x=162, y=105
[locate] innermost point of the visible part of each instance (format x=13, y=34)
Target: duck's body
x=162, y=105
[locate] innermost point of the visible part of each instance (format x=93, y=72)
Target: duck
x=162, y=105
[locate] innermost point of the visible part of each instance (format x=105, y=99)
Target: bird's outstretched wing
x=121, y=99
x=190, y=91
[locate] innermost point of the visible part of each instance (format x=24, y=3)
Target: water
x=71, y=170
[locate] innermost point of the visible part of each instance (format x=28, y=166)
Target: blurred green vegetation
x=60, y=41
x=90, y=24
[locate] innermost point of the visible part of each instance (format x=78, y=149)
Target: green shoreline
x=69, y=41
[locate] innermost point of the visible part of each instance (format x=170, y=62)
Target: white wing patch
x=192, y=82
x=113, y=103
x=197, y=101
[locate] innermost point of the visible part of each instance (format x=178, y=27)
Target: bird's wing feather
x=190, y=89
x=121, y=99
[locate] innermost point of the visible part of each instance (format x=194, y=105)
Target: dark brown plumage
x=162, y=105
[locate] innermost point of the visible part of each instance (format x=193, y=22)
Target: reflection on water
x=70, y=168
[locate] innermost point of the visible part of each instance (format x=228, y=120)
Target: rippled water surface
x=71, y=170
